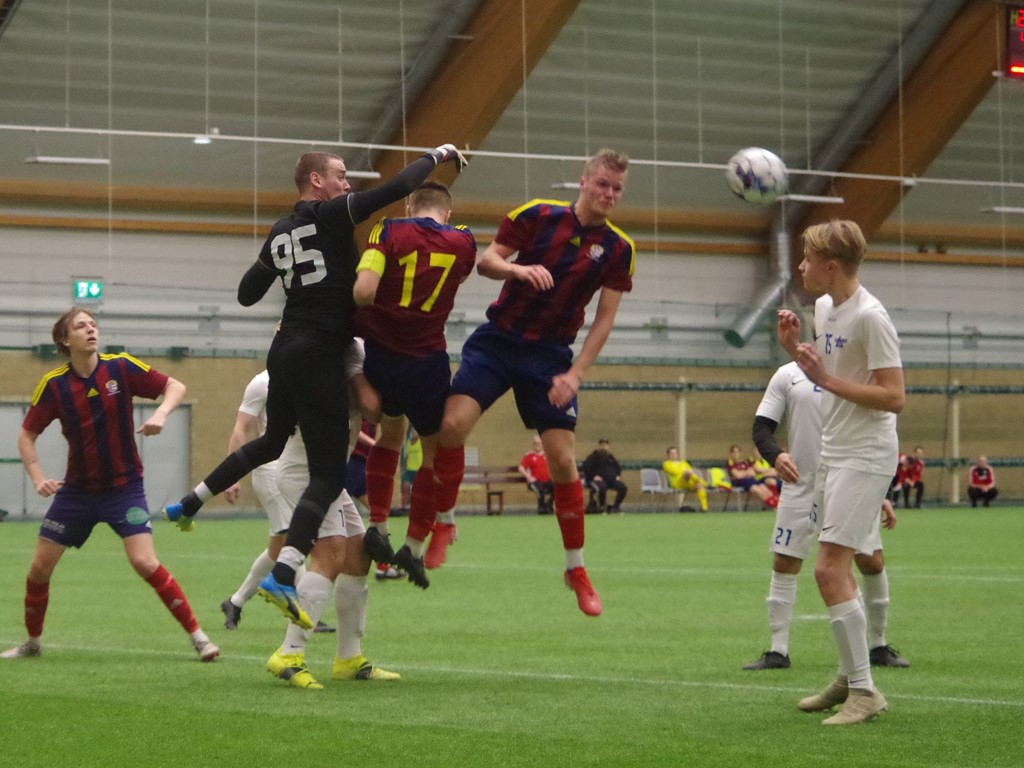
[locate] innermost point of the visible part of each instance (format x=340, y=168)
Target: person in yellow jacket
x=682, y=477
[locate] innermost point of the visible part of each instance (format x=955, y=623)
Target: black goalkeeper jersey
x=314, y=253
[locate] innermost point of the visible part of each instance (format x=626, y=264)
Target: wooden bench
x=492, y=477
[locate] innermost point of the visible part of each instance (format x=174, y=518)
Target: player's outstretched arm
x=565, y=386
x=361, y=205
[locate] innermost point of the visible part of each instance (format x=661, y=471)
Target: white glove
x=448, y=152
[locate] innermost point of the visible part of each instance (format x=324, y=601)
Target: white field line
x=258, y=661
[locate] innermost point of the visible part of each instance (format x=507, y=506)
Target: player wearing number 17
x=405, y=289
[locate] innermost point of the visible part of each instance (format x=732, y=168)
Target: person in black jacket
x=602, y=469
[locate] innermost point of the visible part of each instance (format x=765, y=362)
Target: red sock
x=421, y=505
x=37, y=596
x=569, y=511
x=449, y=467
x=168, y=590
x=381, y=465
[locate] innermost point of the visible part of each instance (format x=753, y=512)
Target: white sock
x=573, y=559
x=314, y=590
x=780, y=601
x=291, y=557
x=382, y=526
x=261, y=566
x=350, y=598
x=849, y=627
x=876, y=607
x=416, y=547
x=446, y=517
x=197, y=637
x=202, y=492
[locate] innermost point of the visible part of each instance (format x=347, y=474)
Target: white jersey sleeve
x=254, y=399
x=773, y=402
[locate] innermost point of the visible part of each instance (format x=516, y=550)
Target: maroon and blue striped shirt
x=96, y=416
x=580, y=259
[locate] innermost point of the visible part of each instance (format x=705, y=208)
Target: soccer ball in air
x=757, y=175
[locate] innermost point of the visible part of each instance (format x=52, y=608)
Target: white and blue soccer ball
x=757, y=175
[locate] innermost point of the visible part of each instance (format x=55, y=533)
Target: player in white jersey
x=251, y=422
x=337, y=559
x=792, y=397
x=856, y=361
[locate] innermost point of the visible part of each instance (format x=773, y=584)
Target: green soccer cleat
x=359, y=668
x=292, y=669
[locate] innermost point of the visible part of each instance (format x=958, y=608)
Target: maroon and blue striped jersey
x=580, y=259
x=421, y=264
x=96, y=417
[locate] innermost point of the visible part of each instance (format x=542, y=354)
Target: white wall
x=166, y=290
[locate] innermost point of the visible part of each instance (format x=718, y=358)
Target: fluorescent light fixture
x=1003, y=209
x=566, y=185
x=58, y=160
x=362, y=174
x=814, y=199
x=208, y=137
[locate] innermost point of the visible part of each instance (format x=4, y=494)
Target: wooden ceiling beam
x=937, y=97
x=476, y=82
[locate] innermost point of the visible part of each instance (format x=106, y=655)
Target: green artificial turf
x=498, y=666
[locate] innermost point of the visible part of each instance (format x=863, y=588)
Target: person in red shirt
x=981, y=483
x=909, y=475
x=91, y=395
x=534, y=467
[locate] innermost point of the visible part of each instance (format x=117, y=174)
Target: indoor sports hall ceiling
x=528, y=86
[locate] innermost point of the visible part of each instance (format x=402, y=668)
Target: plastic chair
x=654, y=482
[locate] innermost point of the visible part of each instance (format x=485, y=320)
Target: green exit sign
x=85, y=289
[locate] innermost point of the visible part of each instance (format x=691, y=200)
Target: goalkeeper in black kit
x=313, y=253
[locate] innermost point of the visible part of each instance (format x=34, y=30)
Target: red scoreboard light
x=1015, y=42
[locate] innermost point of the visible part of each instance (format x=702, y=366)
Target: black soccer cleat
x=232, y=614
x=413, y=566
x=886, y=656
x=769, y=660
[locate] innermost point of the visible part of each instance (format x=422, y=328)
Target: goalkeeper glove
x=446, y=153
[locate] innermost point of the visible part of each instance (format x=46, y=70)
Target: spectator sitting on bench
x=766, y=473
x=602, y=470
x=981, y=483
x=744, y=478
x=534, y=468
x=681, y=477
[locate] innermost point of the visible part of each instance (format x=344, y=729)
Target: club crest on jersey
x=112, y=388
x=596, y=252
